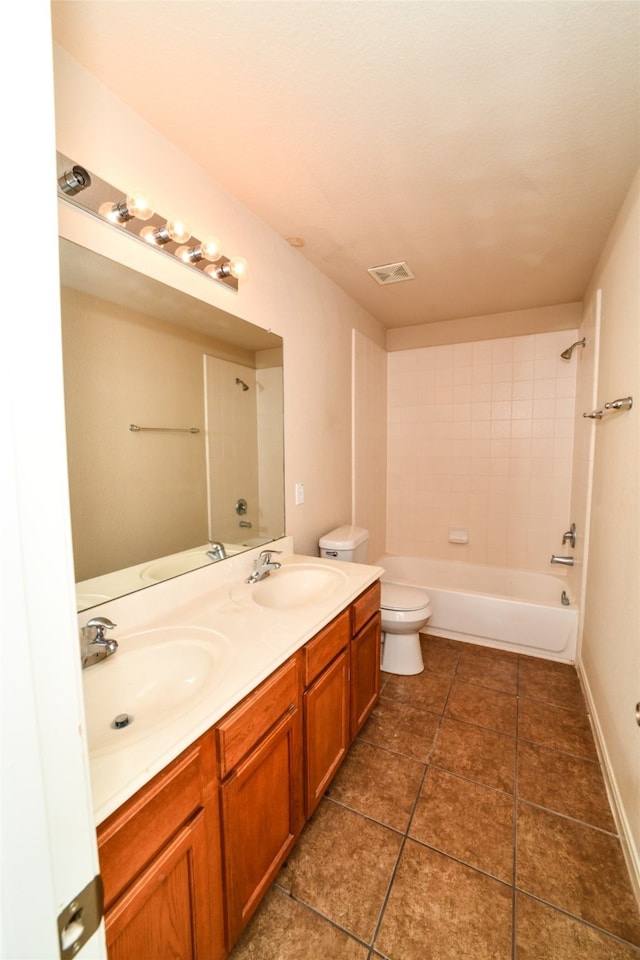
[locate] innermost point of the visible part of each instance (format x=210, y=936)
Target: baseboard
x=629, y=848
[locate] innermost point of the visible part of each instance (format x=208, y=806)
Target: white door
x=48, y=850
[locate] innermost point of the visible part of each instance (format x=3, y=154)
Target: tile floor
x=468, y=821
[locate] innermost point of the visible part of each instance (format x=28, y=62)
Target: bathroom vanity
x=188, y=856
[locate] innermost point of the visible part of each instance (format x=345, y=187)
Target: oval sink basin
x=152, y=678
x=298, y=585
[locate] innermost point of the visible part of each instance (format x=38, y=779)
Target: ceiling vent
x=392, y=273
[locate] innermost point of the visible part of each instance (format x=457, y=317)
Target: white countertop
x=255, y=640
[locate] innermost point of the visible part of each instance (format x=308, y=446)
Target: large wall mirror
x=174, y=413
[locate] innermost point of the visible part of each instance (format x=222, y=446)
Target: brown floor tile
x=380, y=784
x=489, y=672
x=543, y=933
x=478, y=754
x=552, y=682
x=564, y=783
x=341, y=866
x=283, y=929
x=556, y=727
x=401, y=727
x=491, y=653
x=442, y=909
x=425, y=690
x=466, y=820
x=481, y=706
x=440, y=656
x=576, y=868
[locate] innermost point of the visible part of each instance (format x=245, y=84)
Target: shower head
x=566, y=354
x=242, y=383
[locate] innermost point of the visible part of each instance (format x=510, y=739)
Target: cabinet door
x=365, y=673
x=262, y=815
x=165, y=913
x=326, y=728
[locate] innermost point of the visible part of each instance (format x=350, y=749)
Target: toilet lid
x=396, y=596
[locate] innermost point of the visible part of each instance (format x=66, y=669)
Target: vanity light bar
x=135, y=216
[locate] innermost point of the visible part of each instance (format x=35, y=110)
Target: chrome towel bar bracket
x=624, y=403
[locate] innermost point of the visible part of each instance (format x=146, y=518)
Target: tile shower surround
x=480, y=435
x=469, y=821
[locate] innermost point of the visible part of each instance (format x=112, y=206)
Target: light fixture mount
x=93, y=195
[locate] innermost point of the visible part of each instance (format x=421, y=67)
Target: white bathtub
x=508, y=609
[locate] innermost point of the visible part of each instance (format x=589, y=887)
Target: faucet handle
x=266, y=554
x=101, y=624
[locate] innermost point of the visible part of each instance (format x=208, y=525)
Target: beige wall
x=515, y=323
x=610, y=657
x=282, y=292
x=370, y=441
x=480, y=437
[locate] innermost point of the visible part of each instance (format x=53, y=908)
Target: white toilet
x=405, y=610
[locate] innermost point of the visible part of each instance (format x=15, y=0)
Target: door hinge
x=81, y=918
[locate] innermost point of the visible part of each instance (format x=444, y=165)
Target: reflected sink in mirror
x=154, y=677
x=297, y=585
x=167, y=567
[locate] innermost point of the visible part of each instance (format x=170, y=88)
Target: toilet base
x=401, y=654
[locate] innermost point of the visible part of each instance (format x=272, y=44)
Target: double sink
x=164, y=674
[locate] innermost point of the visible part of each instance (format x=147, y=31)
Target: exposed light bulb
x=136, y=206
x=173, y=229
x=236, y=267
x=208, y=250
x=139, y=205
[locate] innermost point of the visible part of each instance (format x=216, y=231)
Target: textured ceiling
x=488, y=144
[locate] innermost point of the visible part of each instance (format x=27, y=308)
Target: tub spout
x=565, y=561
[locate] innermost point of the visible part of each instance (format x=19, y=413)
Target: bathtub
x=508, y=609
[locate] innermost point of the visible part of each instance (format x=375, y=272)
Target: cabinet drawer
x=132, y=836
x=325, y=646
x=247, y=723
x=364, y=606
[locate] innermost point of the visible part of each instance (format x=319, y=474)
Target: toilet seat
x=397, y=596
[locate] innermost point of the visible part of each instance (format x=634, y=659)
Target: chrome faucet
x=565, y=561
x=263, y=566
x=97, y=647
x=217, y=551
x=569, y=536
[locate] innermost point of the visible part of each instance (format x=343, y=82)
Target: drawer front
x=130, y=838
x=247, y=723
x=364, y=606
x=325, y=646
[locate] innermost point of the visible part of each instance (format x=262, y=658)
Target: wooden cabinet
x=260, y=751
x=165, y=909
x=326, y=707
x=186, y=861
x=365, y=656
x=160, y=864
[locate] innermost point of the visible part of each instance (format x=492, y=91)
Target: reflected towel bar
x=135, y=428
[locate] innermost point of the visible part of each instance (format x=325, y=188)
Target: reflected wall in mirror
x=145, y=503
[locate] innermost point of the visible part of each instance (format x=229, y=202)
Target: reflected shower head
x=566, y=354
x=242, y=383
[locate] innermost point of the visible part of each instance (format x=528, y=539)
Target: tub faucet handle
x=569, y=536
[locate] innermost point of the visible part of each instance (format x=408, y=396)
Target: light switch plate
x=299, y=493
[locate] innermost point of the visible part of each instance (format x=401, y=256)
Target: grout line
x=580, y=920
x=566, y=816
x=392, y=878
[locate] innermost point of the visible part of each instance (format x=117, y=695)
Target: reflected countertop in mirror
x=208, y=384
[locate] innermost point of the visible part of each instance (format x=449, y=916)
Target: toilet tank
x=345, y=543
